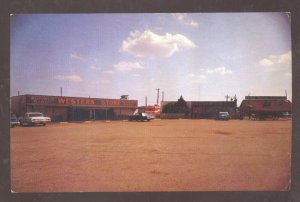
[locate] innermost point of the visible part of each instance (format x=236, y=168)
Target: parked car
x=13, y=121
x=34, y=118
x=286, y=115
x=223, y=116
x=140, y=117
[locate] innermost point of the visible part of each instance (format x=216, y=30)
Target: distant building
x=62, y=108
x=264, y=106
x=150, y=109
x=198, y=109
x=210, y=109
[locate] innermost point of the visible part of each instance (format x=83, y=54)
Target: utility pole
x=60, y=91
x=157, y=96
x=227, y=96
x=106, y=114
x=162, y=96
x=285, y=94
x=146, y=101
x=18, y=93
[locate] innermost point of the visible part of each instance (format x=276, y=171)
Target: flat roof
x=265, y=97
x=78, y=97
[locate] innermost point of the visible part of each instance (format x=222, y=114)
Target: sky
x=200, y=56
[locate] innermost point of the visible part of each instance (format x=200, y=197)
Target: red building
x=265, y=106
x=61, y=108
x=211, y=109
x=198, y=109
x=151, y=110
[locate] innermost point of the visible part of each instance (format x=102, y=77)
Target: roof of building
x=214, y=101
x=58, y=96
x=265, y=97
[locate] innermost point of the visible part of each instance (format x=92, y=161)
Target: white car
x=34, y=118
x=13, y=121
x=223, y=116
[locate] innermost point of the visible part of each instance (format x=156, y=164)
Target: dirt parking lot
x=161, y=155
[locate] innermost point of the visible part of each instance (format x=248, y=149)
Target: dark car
x=140, y=117
x=223, y=116
x=14, y=121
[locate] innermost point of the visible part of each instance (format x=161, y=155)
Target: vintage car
x=140, y=117
x=34, y=118
x=223, y=116
x=14, y=120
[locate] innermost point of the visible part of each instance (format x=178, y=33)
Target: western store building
x=62, y=108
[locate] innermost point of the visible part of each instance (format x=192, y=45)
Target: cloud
x=197, y=78
x=266, y=62
x=95, y=67
x=140, y=89
x=77, y=56
x=104, y=81
x=202, y=77
x=194, y=24
x=74, y=78
x=219, y=70
x=128, y=66
x=277, y=62
x=184, y=19
x=149, y=44
x=288, y=74
x=136, y=75
x=285, y=58
x=108, y=72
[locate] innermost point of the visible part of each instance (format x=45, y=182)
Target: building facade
x=211, y=109
x=198, y=109
x=153, y=110
x=62, y=108
x=265, y=106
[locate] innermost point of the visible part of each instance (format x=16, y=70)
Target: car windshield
x=223, y=113
x=35, y=115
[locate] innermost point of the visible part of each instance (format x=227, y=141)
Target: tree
x=178, y=107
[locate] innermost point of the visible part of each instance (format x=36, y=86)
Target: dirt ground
x=161, y=155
